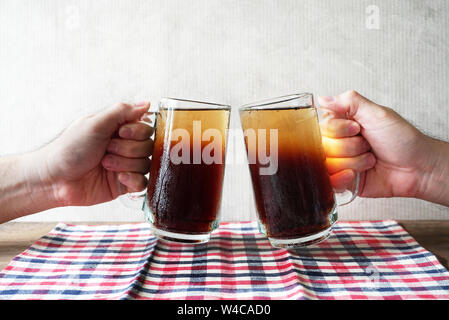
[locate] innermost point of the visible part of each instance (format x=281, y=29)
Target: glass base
x=300, y=242
x=180, y=237
x=295, y=243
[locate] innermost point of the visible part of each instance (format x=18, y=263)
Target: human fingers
x=117, y=163
x=109, y=120
x=358, y=163
x=339, y=128
x=355, y=106
x=134, y=182
x=345, y=147
x=139, y=130
x=342, y=180
x=130, y=148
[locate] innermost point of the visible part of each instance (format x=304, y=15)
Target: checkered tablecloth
x=361, y=260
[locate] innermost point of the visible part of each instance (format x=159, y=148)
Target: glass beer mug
x=294, y=199
x=183, y=198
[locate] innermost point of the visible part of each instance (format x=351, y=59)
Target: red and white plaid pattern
x=361, y=260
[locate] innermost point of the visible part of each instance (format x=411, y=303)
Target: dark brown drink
x=297, y=200
x=184, y=191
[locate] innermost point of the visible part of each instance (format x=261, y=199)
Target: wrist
x=25, y=188
x=41, y=184
x=434, y=175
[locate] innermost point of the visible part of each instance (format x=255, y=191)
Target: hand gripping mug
x=295, y=202
x=183, y=198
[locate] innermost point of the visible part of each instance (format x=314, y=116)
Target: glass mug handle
x=135, y=200
x=348, y=195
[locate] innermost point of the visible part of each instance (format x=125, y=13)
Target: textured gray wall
x=62, y=59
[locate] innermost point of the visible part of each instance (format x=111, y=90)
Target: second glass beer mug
x=295, y=202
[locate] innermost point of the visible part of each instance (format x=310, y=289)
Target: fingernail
x=348, y=175
x=370, y=160
x=353, y=128
x=125, y=132
x=113, y=146
x=108, y=162
x=327, y=99
x=124, y=177
x=366, y=144
x=142, y=103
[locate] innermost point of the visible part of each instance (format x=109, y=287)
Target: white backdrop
x=63, y=59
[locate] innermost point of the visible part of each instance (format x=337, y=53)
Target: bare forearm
x=436, y=178
x=23, y=186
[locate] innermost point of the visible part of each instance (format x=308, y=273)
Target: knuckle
x=121, y=105
x=88, y=122
x=87, y=117
x=351, y=94
x=384, y=112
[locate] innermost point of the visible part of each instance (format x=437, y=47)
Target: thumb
x=353, y=105
x=109, y=120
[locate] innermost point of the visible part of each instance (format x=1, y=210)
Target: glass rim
x=194, y=104
x=266, y=103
